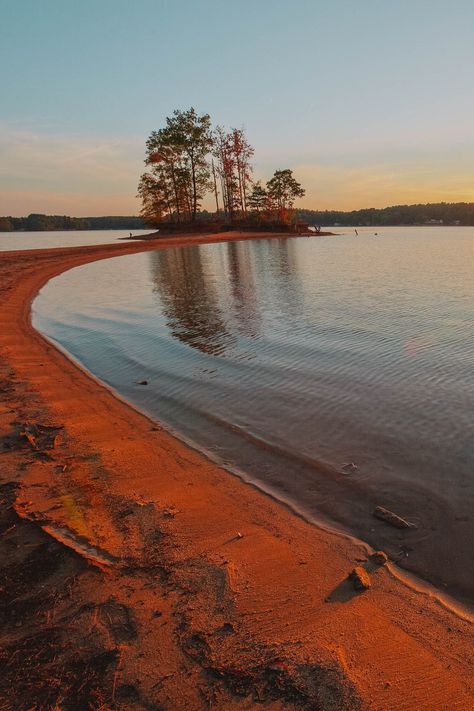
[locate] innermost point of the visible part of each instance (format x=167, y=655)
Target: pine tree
x=257, y=200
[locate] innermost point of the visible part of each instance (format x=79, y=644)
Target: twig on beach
x=7, y=530
x=116, y=673
x=392, y=518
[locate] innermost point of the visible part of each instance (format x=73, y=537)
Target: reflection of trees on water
x=285, y=265
x=276, y=260
x=189, y=297
x=243, y=289
x=204, y=288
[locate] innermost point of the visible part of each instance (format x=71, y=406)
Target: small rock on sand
x=360, y=578
x=379, y=558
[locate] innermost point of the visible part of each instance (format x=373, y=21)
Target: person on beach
x=357, y=234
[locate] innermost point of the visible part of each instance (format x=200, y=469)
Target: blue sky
x=369, y=102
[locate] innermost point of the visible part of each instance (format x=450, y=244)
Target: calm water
x=289, y=358
x=58, y=238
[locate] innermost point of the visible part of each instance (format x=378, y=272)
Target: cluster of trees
x=231, y=170
x=461, y=213
x=46, y=223
x=280, y=193
x=188, y=158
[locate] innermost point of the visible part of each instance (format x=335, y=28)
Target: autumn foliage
x=187, y=159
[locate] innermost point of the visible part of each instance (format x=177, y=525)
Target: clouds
x=346, y=186
x=356, y=94
x=58, y=173
x=90, y=175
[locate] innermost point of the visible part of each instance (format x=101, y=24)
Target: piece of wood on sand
x=392, y=518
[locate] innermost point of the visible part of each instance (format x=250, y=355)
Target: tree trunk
x=167, y=196
x=215, y=187
x=245, y=190
x=241, y=193
x=193, y=173
x=176, y=196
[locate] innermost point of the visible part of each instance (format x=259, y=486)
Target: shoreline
x=407, y=577
x=193, y=235
x=387, y=647
x=436, y=549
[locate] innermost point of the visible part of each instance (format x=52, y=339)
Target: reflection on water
x=189, y=299
x=290, y=358
x=243, y=289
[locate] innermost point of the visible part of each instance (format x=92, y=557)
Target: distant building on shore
x=434, y=222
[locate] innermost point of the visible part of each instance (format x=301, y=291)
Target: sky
x=370, y=103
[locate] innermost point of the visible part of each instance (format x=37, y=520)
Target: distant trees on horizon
x=187, y=159
x=36, y=222
x=456, y=213
x=461, y=213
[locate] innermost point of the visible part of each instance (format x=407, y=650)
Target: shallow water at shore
x=62, y=238
x=289, y=358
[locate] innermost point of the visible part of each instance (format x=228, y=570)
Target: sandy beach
x=136, y=574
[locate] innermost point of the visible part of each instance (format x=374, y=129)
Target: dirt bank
x=138, y=575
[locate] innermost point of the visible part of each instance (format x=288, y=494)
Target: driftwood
x=392, y=518
x=41, y=437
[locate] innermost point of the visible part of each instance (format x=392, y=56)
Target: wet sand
x=154, y=579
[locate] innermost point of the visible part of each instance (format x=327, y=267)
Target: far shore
x=139, y=574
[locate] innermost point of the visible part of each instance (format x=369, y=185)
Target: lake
x=62, y=238
x=334, y=372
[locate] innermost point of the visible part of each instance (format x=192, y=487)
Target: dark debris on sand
x=49, y=656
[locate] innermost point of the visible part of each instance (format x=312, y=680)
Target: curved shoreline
x=340, y=503
x=281, y=563
x=406, y=577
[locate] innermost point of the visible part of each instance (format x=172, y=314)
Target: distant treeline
x=461, y=213
x=45, y=223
